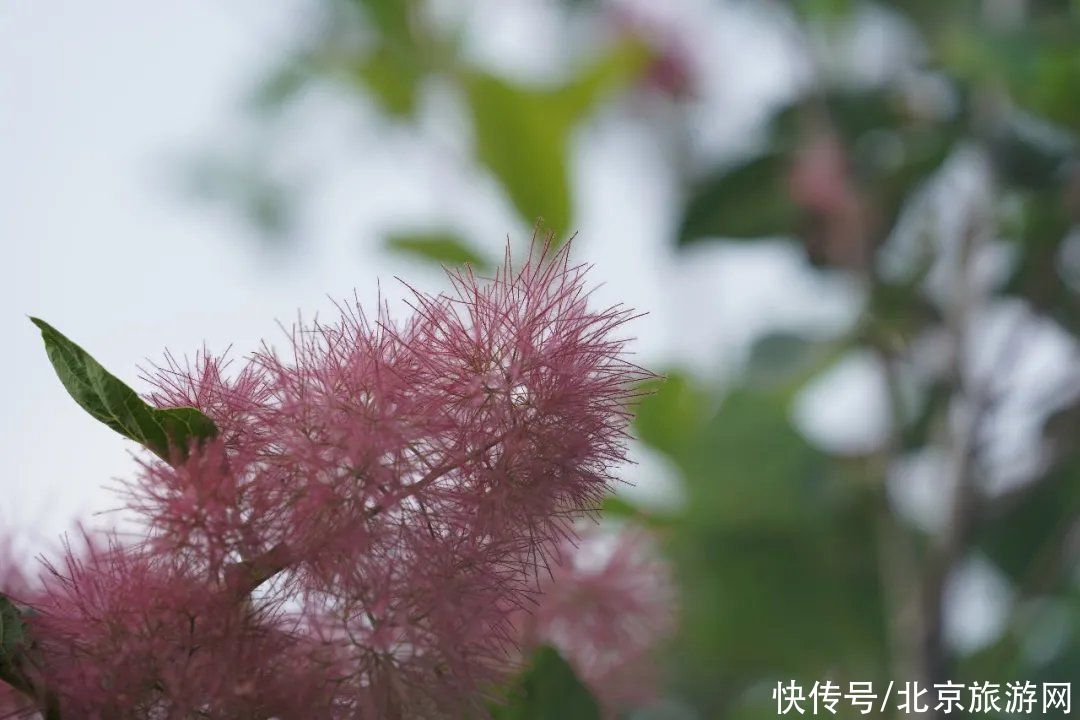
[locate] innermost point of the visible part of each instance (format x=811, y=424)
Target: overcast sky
x=100, y=105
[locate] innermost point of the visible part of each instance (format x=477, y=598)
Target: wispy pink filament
x=380, y=504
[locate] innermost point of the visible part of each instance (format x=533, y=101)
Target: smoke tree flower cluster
x=382, y=505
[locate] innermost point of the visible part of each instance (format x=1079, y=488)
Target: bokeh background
x=852, y=226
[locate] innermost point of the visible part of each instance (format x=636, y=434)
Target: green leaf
x=615, y=506
x=1042, y=230
x=12, y=630
x=620, y=508
x=778, y=355
x=522, y=133
x=549, y=690
x=443, y=247
x=390, y=17
x=392, y=75
x=524, y=143
x=1039, y=66
x=168, y=432
x=750, y=469
x=749, y=200
x=12, y=644
x=279, y=86
x=1031, y=154
x=668, y=417
x=890, y=149
x=775, y=555
x=824, y=10
x=614, y=71
x=786, y=361
x=1021, y=538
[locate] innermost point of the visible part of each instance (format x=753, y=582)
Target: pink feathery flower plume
x=607, y=608
x=380, y=503
x=122, y=633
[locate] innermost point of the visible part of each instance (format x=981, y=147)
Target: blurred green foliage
x=441, y=246
x=793, y=561
x=387, y=51
x=745, y=201
x=547, y=690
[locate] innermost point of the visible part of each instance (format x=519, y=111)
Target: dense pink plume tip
x=382, y=500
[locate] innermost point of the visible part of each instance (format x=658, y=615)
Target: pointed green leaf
x=524, y=144
x=523, y=133
x=168, y=432
x=443, y=247
x=184, y=424
x=549, y=690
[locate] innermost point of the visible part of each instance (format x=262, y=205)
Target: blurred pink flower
x=125, y=634
x=819, y=181
x=607, y=607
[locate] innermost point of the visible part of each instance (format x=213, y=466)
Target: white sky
x=98, y=103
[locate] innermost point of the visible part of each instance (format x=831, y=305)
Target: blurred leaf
x=850, y=113
x=924, y=149
x=12, y=630
x=390, y=17
x=778, y=354
x=827, y=10
x=668, y=418
x=12, y=642
x=898, y=311
x=443, y=247
x=1031, y=154
x=615, y=506
x=777, y=562
x=892, y=151
x=612, y=72
x=751, y=469
x=620, y=508
x=1043, y=227
x=389, y=63
x=932, y=16
x=402, y=55
x=168, y=432
x=784, y=361
x=280, y=86
x=523, y=134
x=549, y=690
x=268, y=208
x=889, y=147
x=393, y=77
x=1061, y=631
x=1038, y=63
x=266, y=202
x=747, y=201
x=1021, y=540
x=523, y=141
x=932, y=406
x=1041, y=644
